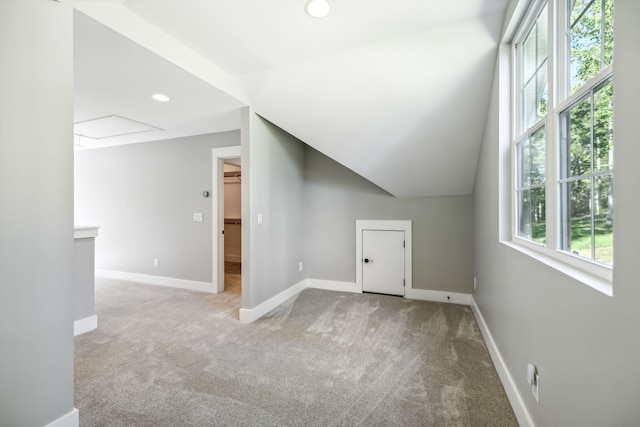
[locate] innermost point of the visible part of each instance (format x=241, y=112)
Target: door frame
x=385, y=225
x=219, y=155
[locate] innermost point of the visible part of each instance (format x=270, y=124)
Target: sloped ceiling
x=114, y=76
x=396, y=90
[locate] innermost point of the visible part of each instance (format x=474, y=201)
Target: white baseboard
x=72, y=419
x=419, y=294
x=249, y=315
x=439, y=296
x=519, y=408
x=331, y=285
x=85, y=325
x=158, y=280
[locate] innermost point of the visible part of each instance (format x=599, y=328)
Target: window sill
x=596, y=282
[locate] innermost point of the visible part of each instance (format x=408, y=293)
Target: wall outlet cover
x=535, y=388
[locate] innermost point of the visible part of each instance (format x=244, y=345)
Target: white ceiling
x=396, y=90
x=114, y=76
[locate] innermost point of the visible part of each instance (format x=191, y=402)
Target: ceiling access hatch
x=110, y=126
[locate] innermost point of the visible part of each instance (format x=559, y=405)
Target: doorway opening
x=232, y=232
x=227, y=220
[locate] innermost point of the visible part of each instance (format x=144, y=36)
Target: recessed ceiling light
x=161, y=97
x=317, y=8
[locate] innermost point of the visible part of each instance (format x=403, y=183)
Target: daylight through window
x=564, y=138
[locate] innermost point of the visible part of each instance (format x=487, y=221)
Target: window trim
x=566, y=265
x=530, y=20
x=594, y=274
x=586, y=92
x=518, y=187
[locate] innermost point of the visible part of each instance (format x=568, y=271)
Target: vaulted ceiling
x=396, y=90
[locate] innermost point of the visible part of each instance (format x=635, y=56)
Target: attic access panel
x=110, y=126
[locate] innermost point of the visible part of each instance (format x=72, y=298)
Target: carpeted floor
x=170, y=357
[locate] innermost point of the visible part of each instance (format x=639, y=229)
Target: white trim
x=249, y=315
x=516, y=12
x=85, y=232
x=85, y=325
x=158, y=280
x=519, y=408
x=331, y=285
x=390, y=225
x=72, y=419
x=560, y=100
x=219, y=155
x=568, y=265
x=439, y=296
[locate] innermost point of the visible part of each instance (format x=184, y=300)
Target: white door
x=383, y=253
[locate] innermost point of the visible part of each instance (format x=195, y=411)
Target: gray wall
x=272, y=185
x=586, y=344
x=36, y=212
x=335, y=197
x=143, y=197
x=84, y=278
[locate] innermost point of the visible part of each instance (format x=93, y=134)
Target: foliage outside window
x=530, y=147
x=586, y=128
x=530, y=189
x=574, y=123
x=590, y=39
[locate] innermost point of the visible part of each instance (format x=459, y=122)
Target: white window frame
x=587, y=91
x=518, y=135
x=592, y=273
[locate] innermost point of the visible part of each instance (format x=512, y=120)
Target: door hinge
x=404, y=282
x=404, y=244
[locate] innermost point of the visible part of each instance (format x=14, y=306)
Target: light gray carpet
x=169, y=357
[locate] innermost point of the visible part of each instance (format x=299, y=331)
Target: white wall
x=585, y=344
x=36, y=212
x=335, y=197
x=143, y=197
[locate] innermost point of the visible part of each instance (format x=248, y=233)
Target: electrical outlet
x=156, y=263
x=475, y=283
x=300, y=266
x=535, y=387
x=534, y=380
